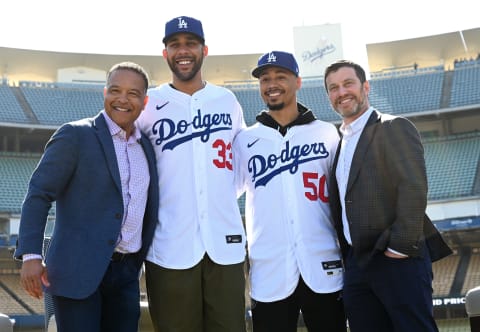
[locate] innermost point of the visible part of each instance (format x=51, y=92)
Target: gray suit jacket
x=79, y=171
x=386, y=194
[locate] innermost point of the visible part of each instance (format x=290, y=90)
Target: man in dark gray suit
x=378, y=196
x=101, y=173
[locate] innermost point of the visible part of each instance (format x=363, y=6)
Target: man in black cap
x=194, y=269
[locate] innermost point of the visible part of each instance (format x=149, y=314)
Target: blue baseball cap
x=278, y=59
x=183, y=24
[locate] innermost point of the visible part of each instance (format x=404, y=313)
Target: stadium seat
x=10, y=109
x=55, y=106
x=465, y=89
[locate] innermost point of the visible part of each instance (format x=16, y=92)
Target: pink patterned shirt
x=135, y=179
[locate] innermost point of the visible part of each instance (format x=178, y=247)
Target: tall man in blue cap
x=194, y=269
x=283, y=162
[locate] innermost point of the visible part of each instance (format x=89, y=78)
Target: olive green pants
x=205, y=298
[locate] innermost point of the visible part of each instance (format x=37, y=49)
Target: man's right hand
x=32, y=275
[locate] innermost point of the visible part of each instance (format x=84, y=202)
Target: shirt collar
x=115, y=129
x=357, y=125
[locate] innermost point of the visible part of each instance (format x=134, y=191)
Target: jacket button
x=118, y=215
x=111, y=242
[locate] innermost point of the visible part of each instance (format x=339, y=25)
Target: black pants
x=321, y=312
x=389, y=294
x=113, y=307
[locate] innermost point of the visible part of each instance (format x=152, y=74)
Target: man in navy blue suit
x=101, y=173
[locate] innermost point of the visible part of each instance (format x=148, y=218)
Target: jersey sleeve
x=237, y=117
x=238, y=167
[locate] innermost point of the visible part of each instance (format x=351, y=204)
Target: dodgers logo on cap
x=183, y=24
x=276, y=58
x=271, y=57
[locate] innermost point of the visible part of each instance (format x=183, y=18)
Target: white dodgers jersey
x=288, y=222
x=192, y=137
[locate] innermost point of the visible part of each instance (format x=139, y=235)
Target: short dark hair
x=344, y=63
x=127, y=65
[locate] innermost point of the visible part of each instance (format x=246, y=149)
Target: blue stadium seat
x=15, y=172
x=10, y=109
x=465, y=86
x=452, y=163
x=54, y=106
x=409, y=93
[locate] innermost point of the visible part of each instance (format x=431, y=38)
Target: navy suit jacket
x=79, y=172
x=386, y=194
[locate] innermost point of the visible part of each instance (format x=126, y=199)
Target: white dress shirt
x=351, y=134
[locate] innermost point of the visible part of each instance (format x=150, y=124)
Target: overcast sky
x=231, y=27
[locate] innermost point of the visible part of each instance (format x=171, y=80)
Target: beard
x=276, y=107
x=360, y=107
x=185, y=76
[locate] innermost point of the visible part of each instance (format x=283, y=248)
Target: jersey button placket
x=199, y=169
x=287, y=188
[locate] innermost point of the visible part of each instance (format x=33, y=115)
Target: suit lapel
x=149, y=154
x=362, y=146
x=337, y=154
x=106, y=142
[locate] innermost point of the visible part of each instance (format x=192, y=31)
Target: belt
x=119, y=256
